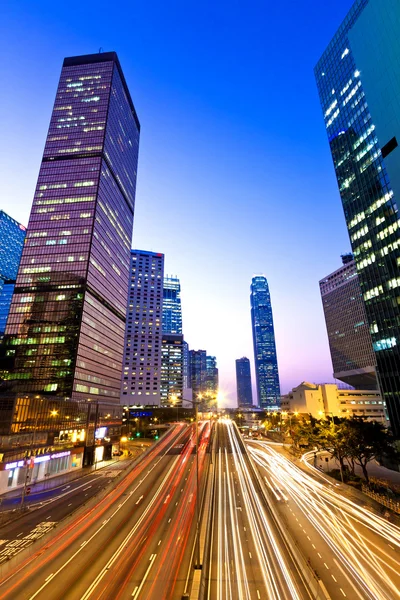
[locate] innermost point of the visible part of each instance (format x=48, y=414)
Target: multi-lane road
x=248, y=558
x=272, y=531
x=131, y=543
x=355, y=552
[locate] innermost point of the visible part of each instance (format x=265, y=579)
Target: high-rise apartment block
x=186, y=367
x=12, y=236
x=350, y=343
x=142, y=362
x=265, y=359
x=172, y=310
x=360, y=99
x=171, y=388
x=65, y=331
x=243, y=382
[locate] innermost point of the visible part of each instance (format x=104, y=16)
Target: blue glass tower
x=243, y=382
x=360, y=97
x=266, y=364
x=172, y=310
x=12, y=236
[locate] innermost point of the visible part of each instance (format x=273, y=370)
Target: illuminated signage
x=100, y=433
x=38, y=459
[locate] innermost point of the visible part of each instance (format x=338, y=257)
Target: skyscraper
x=142, y=363
x=266, y=364
x=186, y=367
x=211, y=379
x=12, y=236
x=198, y=371
x=360, y=100
x=350, y=343
x=65, y=332
x=243, y=382
x=172, y=310
x=171, y=369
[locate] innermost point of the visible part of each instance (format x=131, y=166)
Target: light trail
x=241, y=573
x=358, y=538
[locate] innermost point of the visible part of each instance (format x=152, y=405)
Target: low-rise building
x=329, y=400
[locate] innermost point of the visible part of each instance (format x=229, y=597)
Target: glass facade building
x=360, y=99
x=171, y=388
x=211, y=382
x=12, y=236
x=65, y=332
x=350, y=343
x=243, y=382
x=198, y=371
x=142, y=362
x=172, y=310
x=265, y=359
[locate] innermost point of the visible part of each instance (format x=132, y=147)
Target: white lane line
x=313, y=546
x=326, y=566
x=159, y=543
x=63, y=490
x=250, y=555
x=49, y=577
x=70, y=504
x=258, y=594
x=137, y=590
x=22, y=533
x=334, y=578
x=391, y=547
x=139, y=499
x=342, y=592
x=319, y=555
x=87, y=488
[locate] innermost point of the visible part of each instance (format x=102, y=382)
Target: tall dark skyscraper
x=243, y=382
x=12, y=236
x=266, y=364
x=350, y=343
x=198, y=371
x=172, y=310
x=360, y=99
x=212, y=379
x=65, y=332
x=142, y=362
x=171, y=389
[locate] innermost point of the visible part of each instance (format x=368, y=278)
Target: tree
x=333, y=436
x=368, y=440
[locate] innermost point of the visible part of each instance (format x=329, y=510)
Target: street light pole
x=196, y=407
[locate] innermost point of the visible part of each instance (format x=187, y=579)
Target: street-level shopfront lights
x=54, y=412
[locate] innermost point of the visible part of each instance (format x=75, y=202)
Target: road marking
x=343, y=592
x=166, y=499
x=326, y=566
x=139, y=499
x=258, y=594
x=309, y=539
x=169, y=520
x=70, y=504
x=68, y=486
x=159, y=543
x=250, y=555
x=49, y=577
x=319, y=555
x=137, y=590
x=334, y=578
x=391, y=547
x=83, y=544
x=87, y=488
x=22, y=533
x=313, y=546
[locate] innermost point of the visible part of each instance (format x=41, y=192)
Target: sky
x=235, y=176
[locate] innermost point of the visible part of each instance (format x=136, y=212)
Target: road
x=248, y=558
x=354, y=552
x=134, y=542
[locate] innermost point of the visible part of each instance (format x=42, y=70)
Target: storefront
x=39, y=468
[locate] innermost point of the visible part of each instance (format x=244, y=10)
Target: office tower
x=243, y=382
x=171, y=388
x=65, y=331
x=12, y=236
x=353, y=358
x=186, y=367
x=360, y=99
x=172, y=311
x=142, y=362
x=265, y=360
x=211, y=379
x=198, y=371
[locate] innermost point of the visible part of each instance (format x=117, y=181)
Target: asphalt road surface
x=135, y=542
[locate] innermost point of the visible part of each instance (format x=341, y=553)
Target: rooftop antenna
x=100, y=49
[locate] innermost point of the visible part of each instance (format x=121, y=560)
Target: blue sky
x=235, y=175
